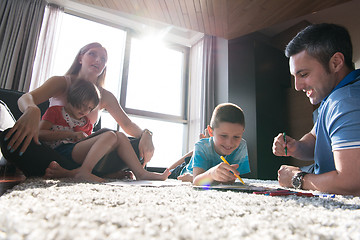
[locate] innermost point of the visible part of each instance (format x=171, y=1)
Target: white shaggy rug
x=52, y=209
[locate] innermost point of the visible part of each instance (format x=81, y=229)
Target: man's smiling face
x=311, y=77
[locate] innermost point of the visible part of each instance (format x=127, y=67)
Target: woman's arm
x=26, y=127
x=111, y=104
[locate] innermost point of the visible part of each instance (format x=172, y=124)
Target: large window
x=148, y=77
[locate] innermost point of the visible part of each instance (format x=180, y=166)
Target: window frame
x=130, y=32
x=185, y=88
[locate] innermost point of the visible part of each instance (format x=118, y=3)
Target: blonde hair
x=76, y=66
x=82, y=91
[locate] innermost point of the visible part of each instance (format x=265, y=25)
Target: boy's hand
x=224, y=172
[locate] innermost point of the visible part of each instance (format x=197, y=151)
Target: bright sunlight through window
x=155, y=81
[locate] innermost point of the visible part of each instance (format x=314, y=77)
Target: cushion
x=7, y=120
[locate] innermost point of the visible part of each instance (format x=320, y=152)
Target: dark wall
x=258, y=79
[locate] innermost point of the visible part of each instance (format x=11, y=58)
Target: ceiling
x=185, y=21
x=228, y=19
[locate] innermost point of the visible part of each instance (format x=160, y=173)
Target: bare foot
x=121, y=175
x=154, y=176
x=84, y=175
x=54, y=170
x=187, y=177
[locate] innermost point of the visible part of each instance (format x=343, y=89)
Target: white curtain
x=46, y=46
x=201, y=91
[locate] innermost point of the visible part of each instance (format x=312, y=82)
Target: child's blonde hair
x=82, y=92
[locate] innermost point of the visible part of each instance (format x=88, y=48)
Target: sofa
x=9, y=113
x=35, y=162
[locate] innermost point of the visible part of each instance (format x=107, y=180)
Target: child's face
x=227, y=137
x=78, y=113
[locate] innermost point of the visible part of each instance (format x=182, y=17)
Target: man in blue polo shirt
x=321, y=63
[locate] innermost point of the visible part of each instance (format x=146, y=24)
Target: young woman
x=89, y=64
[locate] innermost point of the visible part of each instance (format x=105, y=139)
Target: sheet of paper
x=237, y=186
x=148, y=183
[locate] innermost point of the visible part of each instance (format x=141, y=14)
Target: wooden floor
x=9, y=178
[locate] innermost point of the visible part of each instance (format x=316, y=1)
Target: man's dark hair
x=322, y=41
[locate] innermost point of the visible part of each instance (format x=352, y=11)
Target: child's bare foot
x=54, y=170
x=84, y=175
x=153, y=175
x=121, y=175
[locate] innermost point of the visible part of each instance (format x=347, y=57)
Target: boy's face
x=227, y=137
x=78, y=113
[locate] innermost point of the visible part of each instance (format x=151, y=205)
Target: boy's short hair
x=82, y=92
x=227, y=112
x=322, y=41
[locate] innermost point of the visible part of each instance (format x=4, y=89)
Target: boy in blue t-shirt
x=226, y=128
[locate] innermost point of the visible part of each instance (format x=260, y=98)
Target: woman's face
x=94, y=60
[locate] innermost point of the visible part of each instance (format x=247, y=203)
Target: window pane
x=155, y=81
x=167, y=139
x=76, y=32
x=107, y=121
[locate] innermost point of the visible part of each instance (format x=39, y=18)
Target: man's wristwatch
x=297, y=180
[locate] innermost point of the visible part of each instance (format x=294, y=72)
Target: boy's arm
x=45, y=134
x=220, y=173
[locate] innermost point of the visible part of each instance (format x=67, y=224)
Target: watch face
x=296, y=182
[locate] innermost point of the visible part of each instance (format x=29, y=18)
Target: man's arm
x=306, y=146
x=302, y=149
x=345, y=180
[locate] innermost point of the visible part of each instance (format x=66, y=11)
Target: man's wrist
x=297, y=180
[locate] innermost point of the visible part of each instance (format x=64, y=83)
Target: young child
x=205, y=166
x=65, y=127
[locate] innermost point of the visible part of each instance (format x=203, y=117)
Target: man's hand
x=285, y=175
x=279, y=145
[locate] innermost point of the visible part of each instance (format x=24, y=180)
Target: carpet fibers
x=63, y=209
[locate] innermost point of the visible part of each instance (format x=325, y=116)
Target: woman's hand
x=146, y=147
x=25, y=129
